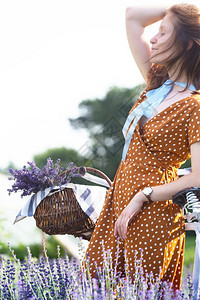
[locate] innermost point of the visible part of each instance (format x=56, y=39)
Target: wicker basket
x=60, y=213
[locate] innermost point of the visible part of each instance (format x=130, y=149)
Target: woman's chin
x=155, y=60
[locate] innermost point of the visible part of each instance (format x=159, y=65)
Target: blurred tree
x=104, y=119
x=65, y=155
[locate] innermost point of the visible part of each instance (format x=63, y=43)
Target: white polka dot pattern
x=152, y=159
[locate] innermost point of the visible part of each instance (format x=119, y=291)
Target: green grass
x=189, y=248
x=36, y=249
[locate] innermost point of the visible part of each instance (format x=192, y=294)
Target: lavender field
x=62, y=278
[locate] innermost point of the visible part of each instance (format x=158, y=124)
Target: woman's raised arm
x=137, y=18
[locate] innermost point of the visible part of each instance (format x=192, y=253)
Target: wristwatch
x=147, y=191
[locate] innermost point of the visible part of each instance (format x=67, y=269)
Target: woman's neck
x=173, y=74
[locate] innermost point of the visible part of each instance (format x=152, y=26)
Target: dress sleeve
x=194, y=124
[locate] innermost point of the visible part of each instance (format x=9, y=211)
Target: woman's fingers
x=121, y=226
x=122, y=229
x=126, y=218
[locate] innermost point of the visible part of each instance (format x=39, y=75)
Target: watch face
x=148, y=190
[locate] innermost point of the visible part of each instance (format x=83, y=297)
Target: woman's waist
x=165, y=172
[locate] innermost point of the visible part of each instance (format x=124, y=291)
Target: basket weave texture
x=60, y=213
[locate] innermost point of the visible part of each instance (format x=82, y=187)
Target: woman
x=159, y=137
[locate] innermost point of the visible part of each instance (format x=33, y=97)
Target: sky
x=53, y=55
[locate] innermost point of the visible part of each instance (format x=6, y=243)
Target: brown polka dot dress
x=152, y=159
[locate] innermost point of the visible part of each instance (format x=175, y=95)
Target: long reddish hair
x=186, y=39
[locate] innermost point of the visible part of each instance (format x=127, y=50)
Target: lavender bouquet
x=32, y=179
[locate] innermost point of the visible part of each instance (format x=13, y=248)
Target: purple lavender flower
x=32, y=179
x=63, y=279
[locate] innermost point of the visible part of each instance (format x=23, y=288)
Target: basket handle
x=83, y=172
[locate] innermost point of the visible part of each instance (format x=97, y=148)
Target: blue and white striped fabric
x=147, y=108
x=90, y=198
x=29, y=208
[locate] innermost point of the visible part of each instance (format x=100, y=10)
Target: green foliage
x=104, y=120
x=36, y=249
x=187, y=164
x=189, y=248
x=66, y=156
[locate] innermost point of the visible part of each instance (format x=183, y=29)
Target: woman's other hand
x=132, y=209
